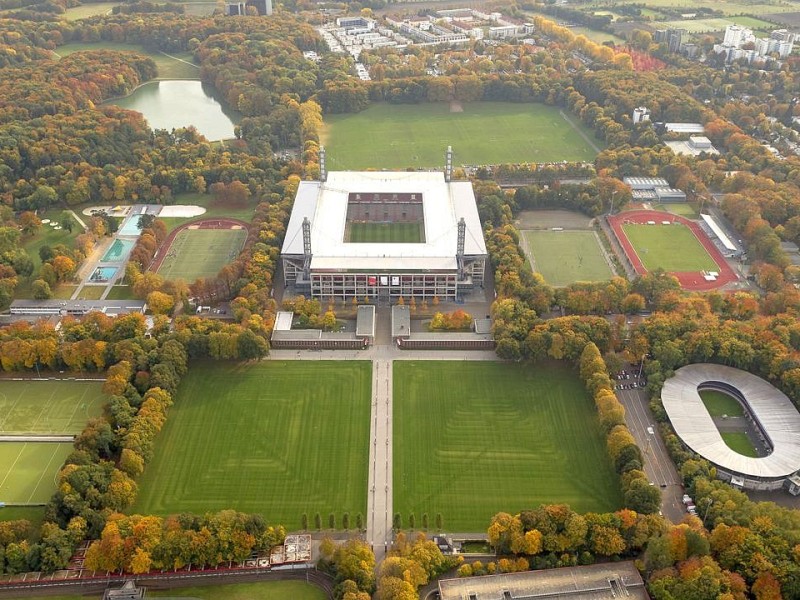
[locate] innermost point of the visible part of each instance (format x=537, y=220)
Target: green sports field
x=28, y=470
x=564, y=257
x=199, y=253
x=43, y=406
x=475, y=438
x=397, y=136
x=739, y=442
x=673, y=248
x=280, y=438
x=718, y=404
x=385, y=233
x=265, y=590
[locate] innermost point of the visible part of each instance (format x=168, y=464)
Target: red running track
x=689, y=280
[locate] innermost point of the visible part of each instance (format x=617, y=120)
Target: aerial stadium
x=768, y=413
x=384, y=235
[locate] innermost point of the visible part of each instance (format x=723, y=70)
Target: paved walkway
x=379, y=500
x=78, y=219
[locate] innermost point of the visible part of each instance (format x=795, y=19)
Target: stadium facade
x=769, y=412
x=384, y=235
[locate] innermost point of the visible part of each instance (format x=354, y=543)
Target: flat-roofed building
x=607, y=581
x=46, y=308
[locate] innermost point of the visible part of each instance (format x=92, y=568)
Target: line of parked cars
x=628, y=385
x=689, y=504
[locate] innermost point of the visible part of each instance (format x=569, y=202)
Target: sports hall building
x=384, y=235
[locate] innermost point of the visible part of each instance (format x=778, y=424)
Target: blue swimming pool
x=102, y=274
x=118, y=251
x=131, y=226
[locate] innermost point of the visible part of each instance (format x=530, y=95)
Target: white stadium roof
x=325, y=205
x=777, y=415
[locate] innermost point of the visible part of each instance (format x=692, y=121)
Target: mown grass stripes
x=475, y=438
x=280, y=438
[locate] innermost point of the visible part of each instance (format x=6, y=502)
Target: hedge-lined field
x=475, y=438
x=280, y=438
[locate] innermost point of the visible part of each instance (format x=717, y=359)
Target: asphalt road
x=658, y=465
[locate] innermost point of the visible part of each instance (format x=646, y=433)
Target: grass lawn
x=121, y=292
x=475, y=438
x=267, y=590
x=385, y=233
x=719, y=403
x=64, y=291
x=34, y=514
x=597, y=36
x=739, y=442
x=280, y=438
x=398, y=135
x=91, y=292
x=28, y=470
x=47, y=236
x=683, y=209
x=89, y=10
x=564, y=257
x=44, y=406
x=196, y=253
x=674, y=248
x=698, y=25
x=213, y=209
x=176, y=66
x=729, y=7
x=753, y=23
x=199, y=9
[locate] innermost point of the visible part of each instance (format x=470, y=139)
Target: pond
x=180, y=103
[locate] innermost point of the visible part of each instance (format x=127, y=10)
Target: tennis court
x=48, y=406
x=28, y=470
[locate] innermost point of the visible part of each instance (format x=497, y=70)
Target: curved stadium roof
x=769, y=406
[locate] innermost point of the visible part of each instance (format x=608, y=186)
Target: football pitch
x=673, y=248
x=399, y=136
x=385, y=233
x=44, y=406
x=564, y=257
x=200, y=253
x=475, y=438
x=28, y=470
x=279, y=438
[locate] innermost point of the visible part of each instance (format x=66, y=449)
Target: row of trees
x=554, y=535
x=138, y=544
x=638, y=493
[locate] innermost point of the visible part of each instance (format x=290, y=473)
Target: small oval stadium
x=742, y=424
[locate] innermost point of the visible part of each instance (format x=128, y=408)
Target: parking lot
x=657, y=463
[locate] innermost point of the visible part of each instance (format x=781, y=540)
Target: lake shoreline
x=173, y=103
